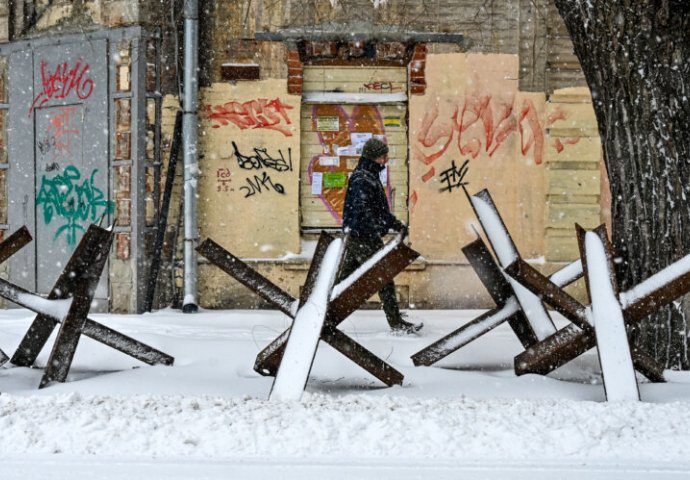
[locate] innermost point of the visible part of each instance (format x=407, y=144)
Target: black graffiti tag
x=259, y=184
x=453, y=177
x=262, y=159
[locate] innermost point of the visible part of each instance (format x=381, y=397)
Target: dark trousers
x=357, y=252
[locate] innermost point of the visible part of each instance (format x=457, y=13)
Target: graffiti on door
x=57, y=141
x=74, y=201
x=63, y=81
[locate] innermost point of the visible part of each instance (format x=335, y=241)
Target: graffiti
x=223, y=179
x=259, y=113
x=380, y=87
x=259, y=184
x=361, y=119
x=64, y=197
x=59, y=134
x=481, y=123
x=261, y=159
x=62, y=82
x=558, y=144
x=453, y=177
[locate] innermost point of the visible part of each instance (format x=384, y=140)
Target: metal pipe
x=190, y=106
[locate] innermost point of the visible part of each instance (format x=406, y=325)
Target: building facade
x=468, y=95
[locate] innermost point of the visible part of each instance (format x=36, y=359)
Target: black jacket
x=366, y=211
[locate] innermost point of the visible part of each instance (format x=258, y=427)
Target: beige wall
x=473, y=112
x=537, y=158
x=249, y=203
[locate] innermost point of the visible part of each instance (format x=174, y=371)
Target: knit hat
x=374, y=148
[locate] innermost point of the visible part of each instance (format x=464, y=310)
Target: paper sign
x=359, y=138
x=334, y=180
x=381, y=138
x=391, y=121
x=316, y=183
x=350, y=150
x=383, y=175
x=327, y=124
x=329, y=161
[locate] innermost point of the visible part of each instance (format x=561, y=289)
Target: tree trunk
x=636, y=58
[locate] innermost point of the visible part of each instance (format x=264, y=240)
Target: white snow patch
x=655, y=282
x=366, y=266
x=57, y=309
x=306, y=329
x=609, y=326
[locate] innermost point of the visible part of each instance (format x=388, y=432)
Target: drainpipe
x=190, y=106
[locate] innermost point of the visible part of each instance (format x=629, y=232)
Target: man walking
x=368, y=218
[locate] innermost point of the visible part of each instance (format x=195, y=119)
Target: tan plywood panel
x=561, y=245
x=472, y=111
x=573, y=149
x=249, y=174
x=565, y=215
x=571, y=120
x=355, y=79
x=574, y=182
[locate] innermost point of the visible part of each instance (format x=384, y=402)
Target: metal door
x=64, y=110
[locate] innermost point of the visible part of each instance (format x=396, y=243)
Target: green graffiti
x=64, y=197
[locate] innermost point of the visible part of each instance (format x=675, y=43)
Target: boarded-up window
x=341, y=109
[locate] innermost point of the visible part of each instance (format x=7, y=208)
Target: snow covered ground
x=208, y=416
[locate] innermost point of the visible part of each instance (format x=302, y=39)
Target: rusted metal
x=572, y=341
x=465, y=334
x=268, y=360
x=347, y=302
x=248, y=277
x=298, y=358
x=94, y=244
x=549, y=292
x=498, y=287
x=14, y=243
x=506, y=252
x=490, y=275
x=508, y=308
x=361, y=356
x=78, y=281
x=9, y=247
x=127, y=345
x=555, y=351
x=369, y=283
x=86, y=279
x=315, y=266
x=339, y=308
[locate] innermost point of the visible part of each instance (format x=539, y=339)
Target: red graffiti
x=381, y=87
x=413, y=200
x=429, y=175
x=481, y=123
x=62, y=82
x=259, y=113
x=60, y=133
x=558, y=144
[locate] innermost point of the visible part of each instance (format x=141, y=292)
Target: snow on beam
x=305, y=332
x=508, y=309
x=507, y=253
x=609, y=326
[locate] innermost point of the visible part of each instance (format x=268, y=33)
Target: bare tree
x=636, y=58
